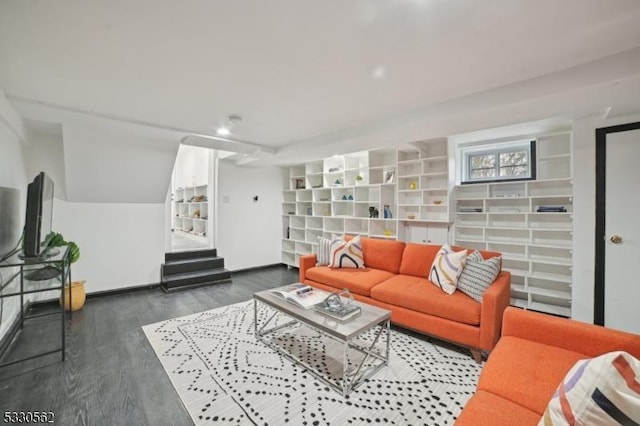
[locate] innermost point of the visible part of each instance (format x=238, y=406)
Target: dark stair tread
x=196, y=274
x=190, y=254
x=191, y=260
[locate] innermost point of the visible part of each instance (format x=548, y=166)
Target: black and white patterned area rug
x=224, y=375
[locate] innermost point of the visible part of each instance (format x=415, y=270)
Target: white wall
x=121, y=245
x=191, y=167
x=249, y=233
x=45, y=153
x=584, y=207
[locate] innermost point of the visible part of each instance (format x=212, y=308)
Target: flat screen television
x=39, y=215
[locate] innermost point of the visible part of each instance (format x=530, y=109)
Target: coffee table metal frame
x=345, y=333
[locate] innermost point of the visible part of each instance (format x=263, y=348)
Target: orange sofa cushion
x=359, y=281
x=417, y=259
x=421, y=295
x=382, y=254
x=486, y=408
x=525, y=372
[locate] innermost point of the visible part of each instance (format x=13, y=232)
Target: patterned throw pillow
x=599, y=391
x=324, y=251
x=446, y=268
x=478, y=274
x=346, y=254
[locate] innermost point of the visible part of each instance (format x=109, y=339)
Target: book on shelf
x=342, y=313
x=301, y=294
x=551, y=209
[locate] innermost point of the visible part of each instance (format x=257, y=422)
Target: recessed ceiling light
x=229, y=122
x=379, y=72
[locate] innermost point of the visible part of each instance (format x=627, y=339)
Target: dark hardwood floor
x=111, y=375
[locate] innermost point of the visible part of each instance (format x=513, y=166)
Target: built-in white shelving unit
x=191, y=208
x=334, y=196
x=536, y=245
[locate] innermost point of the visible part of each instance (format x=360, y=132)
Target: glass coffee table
x=341, y=354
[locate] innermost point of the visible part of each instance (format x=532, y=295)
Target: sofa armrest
x=494, y=302
x=307, y=261
x=588, y=339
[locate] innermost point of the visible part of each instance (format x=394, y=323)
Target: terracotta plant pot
x=76, y=292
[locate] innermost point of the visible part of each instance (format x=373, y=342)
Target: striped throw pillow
x=446, y=268
x=478, y=274
x=599, y=391
x=346, y=254
x=324, y=251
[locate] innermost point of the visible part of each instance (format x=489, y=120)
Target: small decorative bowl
x=411, y=216
x=437, y=201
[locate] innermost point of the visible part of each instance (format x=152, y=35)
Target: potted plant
x=358, y=179
x=75, y=294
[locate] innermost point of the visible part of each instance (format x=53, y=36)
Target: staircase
x=187, y=269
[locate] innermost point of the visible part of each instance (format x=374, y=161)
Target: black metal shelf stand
x=28, y=272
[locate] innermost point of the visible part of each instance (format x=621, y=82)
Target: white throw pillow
x=604, y=390
x=346, y=254
x=446, y=268
x=324, y=251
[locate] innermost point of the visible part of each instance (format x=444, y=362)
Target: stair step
x=190, y=254
x=190, y=265
x=209, y=276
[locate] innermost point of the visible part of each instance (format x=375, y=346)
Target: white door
x=622, y=231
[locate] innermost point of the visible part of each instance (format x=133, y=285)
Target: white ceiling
x=301, y=72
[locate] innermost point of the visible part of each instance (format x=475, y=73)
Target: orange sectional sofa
x=532, y=357
x=395, y=278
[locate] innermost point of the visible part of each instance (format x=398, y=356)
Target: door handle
x=615, y=239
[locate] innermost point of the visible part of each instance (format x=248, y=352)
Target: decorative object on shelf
x=411, y=216
x=199, y=198
x=373, y=212
x=413, y=185
x=387, y=233
x=390, y=176
x=299, y=183
x=358, y=179
x=337, y=182
x=344, y=197
x=387, y=212
x=350, y=197
x=309, y=211
x=437, y=201
x=196, y=214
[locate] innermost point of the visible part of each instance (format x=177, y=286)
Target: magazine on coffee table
x=301, y=294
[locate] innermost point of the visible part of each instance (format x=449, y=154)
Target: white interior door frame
x=600, y=231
